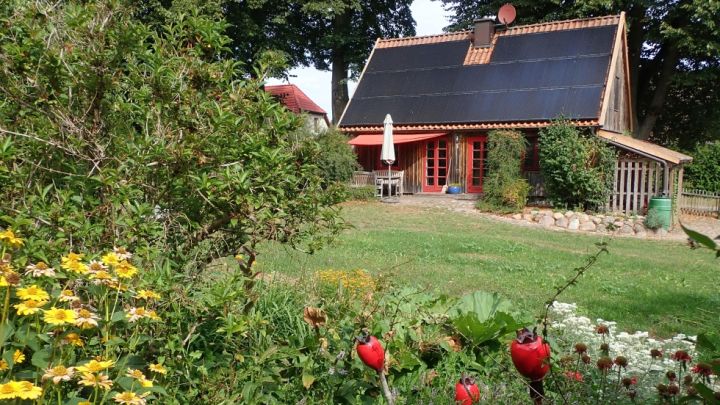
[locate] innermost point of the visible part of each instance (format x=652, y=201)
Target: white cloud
x=430, y=18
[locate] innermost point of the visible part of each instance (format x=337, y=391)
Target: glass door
x=476, y=169
x=436, y=164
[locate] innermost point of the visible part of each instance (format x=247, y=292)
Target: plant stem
x=386, y=389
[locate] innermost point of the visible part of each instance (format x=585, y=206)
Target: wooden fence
x=635, y=182
x=698, y=202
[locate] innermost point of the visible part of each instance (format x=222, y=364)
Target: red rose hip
x=466, y=391
x=371, y=352
x=530, y=355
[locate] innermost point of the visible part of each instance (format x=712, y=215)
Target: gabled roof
x=294, y=99
x=637, y=145
x=530, y=74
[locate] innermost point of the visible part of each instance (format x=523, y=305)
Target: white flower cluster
x=570, y=328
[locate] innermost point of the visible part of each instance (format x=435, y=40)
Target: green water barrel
x=663, y=206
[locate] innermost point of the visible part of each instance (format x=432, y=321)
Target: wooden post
x=678, y=204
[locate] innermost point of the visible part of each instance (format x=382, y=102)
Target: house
x=290, y=95
x=446, y=92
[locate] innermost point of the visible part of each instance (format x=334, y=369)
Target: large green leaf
x=482, y=317
x=700, y=238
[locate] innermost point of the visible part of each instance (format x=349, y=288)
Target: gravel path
x=706, y=225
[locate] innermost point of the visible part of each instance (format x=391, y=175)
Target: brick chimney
x=483, y=32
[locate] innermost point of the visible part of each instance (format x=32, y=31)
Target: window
x=617, y=91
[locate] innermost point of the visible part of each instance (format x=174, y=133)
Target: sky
x=430, y=19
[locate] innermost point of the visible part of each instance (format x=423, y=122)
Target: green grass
x=658, y=286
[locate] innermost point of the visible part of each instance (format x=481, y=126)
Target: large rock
x=557, y=216
x=618, y=224
x=584, y=217
x=527, y=217
x=627, y=230
x=562, y=222
x=639, y=228
x=587, y=226
x=517, y=216
x=596, y=220
x=574, y=224
x=608, y=220
x=547, y=220
x=569, y=214
x=661, y=232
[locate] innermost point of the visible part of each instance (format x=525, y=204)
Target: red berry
x=530, y=355
x=371, y=352
x=466, y=391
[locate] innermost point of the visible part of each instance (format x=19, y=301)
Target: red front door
x=435, y=164
x=476, y=156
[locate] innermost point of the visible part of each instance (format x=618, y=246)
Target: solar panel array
x=530, y=77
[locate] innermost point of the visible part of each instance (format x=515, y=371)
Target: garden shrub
x=704, y=171
x=504, y=187
x=653, y=220
x=577, y=168
x=364, y=193
x=336, y=159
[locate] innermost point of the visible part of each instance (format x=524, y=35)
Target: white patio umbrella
x=387, y=154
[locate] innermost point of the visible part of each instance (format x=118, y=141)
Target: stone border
x=606, y=224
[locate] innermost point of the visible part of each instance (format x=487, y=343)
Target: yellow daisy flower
x=4, y=365
x=32, y=293
x=28, y=390
x=18, y=357
x=94, y=366
x=29, y=307
x=73, y=339
x=72, y=257
x=68, y=296
x=158, y=368
x=75, y=267
x=9, y=237
x=59, y=316
x=153, y=315
x=110, y=259
x=58, y=374
x=130, y=398
x=84, y=403
x=86, y=319
x=10, y=390
x=4, y=282
x=125, y=270
x=92, y=380
x=100, y=276
x=147, y=295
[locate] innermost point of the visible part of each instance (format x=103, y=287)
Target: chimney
x=483, y=32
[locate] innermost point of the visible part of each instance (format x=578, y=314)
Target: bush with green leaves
x=336, y=159
x=653, y=220
x=504, y=186
x=363, y=193
x=577, y=168
x=704, y=171
x=119, y=130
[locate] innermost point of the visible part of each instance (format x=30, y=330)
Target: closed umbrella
x=387, y=154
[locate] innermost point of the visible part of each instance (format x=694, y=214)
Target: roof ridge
x=576, y=23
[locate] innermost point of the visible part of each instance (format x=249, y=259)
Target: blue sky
x=430, y=18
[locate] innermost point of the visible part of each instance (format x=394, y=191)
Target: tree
x=665, y=38
x=332, y=35
x=116, y=130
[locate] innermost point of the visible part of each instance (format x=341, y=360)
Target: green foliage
x=704, y=171
x=336, y=159
x=120, y=131
x=653, y=220
x=504, y=186
x=365, y=193
x=483, y=317
x=577, y=169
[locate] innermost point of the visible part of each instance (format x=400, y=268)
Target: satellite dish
x=506, y=14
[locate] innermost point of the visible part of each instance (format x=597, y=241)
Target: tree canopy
x=674, y=49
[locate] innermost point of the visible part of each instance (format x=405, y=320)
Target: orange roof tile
x=293, y=98
x=456, y=127
x=482, y=55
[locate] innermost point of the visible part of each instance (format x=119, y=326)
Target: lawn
x=658, y=286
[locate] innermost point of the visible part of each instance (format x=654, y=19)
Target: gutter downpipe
x=666, y=169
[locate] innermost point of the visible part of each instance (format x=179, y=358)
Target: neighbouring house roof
x=294, y=99
x=528, y=76
x=632, y=144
